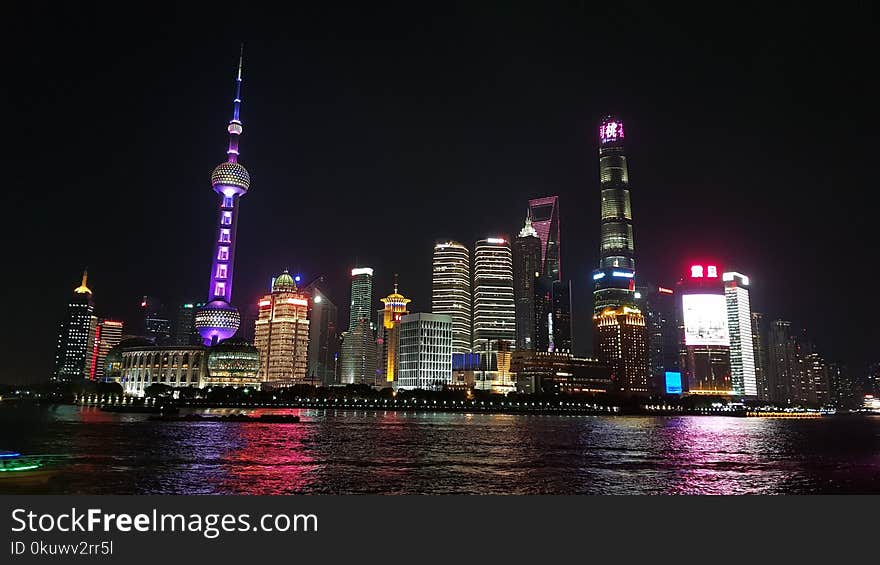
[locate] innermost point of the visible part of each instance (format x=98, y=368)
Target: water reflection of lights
x=268, y=458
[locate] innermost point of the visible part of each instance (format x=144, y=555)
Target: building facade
x=425, y=351
x=622, y=342
x=144, y=364
x=531, y=313
x=323, y=335
x=705, y=337
x=281, y=334
x=658, y=307
x=554, y=289
x=358, y=356
x=233, y=362
x=108, y=334
x=218, y=319
x=74, y=348
x=759, y=345
x=394, y=311
x=494, y=307
x=185, y=332
x=739, y=323
x=545, y=372
x=451, y=290
x=619, y=324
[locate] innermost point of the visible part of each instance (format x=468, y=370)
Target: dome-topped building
x=219, y=319
x=233, y=362
x=284, y=283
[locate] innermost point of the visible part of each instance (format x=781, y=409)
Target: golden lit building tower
x=621, y=341
x=281, y=334
x=395, y=309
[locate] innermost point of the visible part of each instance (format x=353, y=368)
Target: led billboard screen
x=705, y=319
x=673, y=382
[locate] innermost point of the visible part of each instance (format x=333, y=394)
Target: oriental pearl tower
x=219, y=319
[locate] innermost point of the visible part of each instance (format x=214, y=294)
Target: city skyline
x=175, y=269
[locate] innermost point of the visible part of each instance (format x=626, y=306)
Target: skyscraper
x=544, y=215
x=108, y=334
x=739, y=323
x=219, y=319
x=759, y=344
x=395, y=309
x=157, y=326
x=281, y=334
x=657, y=304
x=425, y=351
x=705, y=338
x=531, y=314
x=185, y=326
x=73, y=351
x=451, y=291
x=555, y=322
x=323, y=334
x=358, y=356
x=494, y=309
x=615, y=314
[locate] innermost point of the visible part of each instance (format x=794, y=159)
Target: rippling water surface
x=349, y=452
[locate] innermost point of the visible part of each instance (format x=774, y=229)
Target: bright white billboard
x=705, y=319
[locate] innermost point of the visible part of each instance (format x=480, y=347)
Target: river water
x=359, y=452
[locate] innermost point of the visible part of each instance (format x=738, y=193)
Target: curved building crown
x=284, y=283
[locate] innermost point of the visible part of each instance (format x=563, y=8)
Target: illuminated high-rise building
x=705, y=344
x=494, y=307
x=614, y=302
x=395, y=309
x=739, y=323
x=74, y=349
x=323, y=335
x=219, y=319
x=108, y=334
x=622, y=342
x=425, y=354
x=358, y=355
x=555, y=322
x=451, y=291
x=281, y=334
x=530, y=302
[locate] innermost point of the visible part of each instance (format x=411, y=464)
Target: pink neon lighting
x=696, y=271
x=662, y=290
x=712, y=272
x=611, y=131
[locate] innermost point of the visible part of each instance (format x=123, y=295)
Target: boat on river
x=17, y=469
x=261, y=419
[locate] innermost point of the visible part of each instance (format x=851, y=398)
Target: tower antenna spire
x=234, y=127
x=395, y=283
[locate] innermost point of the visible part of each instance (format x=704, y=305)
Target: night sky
x=751, y=139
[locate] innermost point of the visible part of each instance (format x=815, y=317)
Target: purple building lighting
x=219, y=319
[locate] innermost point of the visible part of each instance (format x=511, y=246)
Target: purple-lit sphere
x=217, y=320
x=230, y=178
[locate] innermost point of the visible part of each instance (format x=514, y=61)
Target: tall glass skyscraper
x=739, y=323
x=358, y=357
x=555, y=323
x=219, y=319
x=451, y=290
x=494, y=309
x=73, y=351
x=620, y=331
x=531, y=313
x=323, y=335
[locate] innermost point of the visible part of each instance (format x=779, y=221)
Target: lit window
x=227, y=202
x=226, y=219
x=225, y=236
x=223, y=254
x=221, y=271
x=220, y=289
